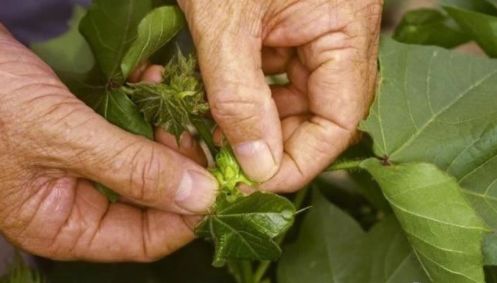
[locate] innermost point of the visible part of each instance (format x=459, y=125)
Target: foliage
x=340, y=251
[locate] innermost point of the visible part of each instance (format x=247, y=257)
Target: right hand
x=51, y=144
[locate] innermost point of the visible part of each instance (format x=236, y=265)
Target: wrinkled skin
x=51, y=144
x=285, y=136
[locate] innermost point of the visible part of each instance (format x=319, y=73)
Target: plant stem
x=247, y=272
x=204, y=131
x=261, y=270
x=345, y=165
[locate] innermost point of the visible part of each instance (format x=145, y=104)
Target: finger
x=138, y=72
x=153, y=74
x=302, y=21
x=292, y=99
x=339, y=94
x=276, y=60
x=239, y=97
x=188, y=145
x=310, y=148
x=75, y=222
x=136, y=168
x=291, y=124
x=289, y=101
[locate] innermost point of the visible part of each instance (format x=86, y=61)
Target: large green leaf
x=154, y=31
x=110, y=27
x=481, y=27
x=69, y=52
x=324, y=251
x=429, y=27
x=438, y=106
x=389, y=256
x=490, y=249
x=332, y=247
x=245, y=229
x=442, y=227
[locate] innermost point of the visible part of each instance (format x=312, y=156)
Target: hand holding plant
x=50, y=141
x=287, y=134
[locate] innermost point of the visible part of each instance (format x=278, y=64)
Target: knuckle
x=230, y=109
x=145, y=175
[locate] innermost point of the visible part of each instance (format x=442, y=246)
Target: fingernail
x=256, y=160
x=186, y=141
x=196, y=192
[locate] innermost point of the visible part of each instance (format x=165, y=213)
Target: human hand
x=51, y=144
x=287, y=135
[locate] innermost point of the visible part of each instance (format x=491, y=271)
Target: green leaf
x=482, y=6
x=438, y=106
x=482, y=28
x=325, y=249
x=117, y=108
x=443, y=229
x=389, y=256
x=490, y=249
x=110, y=27
x=154, y=31
x=493, y=2
x=332, y=247
x=69, y=52
x=245, y=229
x=429, y=27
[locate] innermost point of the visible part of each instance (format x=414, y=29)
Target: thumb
x=229, y=52
x=141, y=170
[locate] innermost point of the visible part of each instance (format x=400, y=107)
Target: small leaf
x=429, y=27
x=443, y=229
x=245, y=229
x=154, y=31
x=110, y=27
x=117, y=108
x=482, y=28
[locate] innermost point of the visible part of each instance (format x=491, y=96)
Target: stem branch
x=345, y=165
